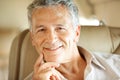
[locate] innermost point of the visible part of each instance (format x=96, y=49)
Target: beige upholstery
x=23, y=54
x=14, y=62
x=28, y=57
x=115, y=37
x=96, y=38
x=22, y=57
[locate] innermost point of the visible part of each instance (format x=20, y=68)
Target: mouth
x=53, y=49
x=53, y=54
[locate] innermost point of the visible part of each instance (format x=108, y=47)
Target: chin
x=56, y=57
x=53, y=60
x=58, y=60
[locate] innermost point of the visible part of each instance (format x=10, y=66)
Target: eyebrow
x=39, y=26
x=59, y=24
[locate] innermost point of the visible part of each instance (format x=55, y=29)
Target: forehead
x=55, y=10
x=50, y=12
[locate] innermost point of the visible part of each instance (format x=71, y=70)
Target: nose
x=51, y=36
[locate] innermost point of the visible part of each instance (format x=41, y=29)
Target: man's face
x=53, y=34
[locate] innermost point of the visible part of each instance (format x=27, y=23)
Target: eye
x=60, y=29
x=41, y=30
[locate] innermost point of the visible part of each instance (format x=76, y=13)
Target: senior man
x=55, y=30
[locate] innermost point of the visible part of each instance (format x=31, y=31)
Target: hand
x=45, y=71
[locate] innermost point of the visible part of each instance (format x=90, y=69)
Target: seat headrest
x=96, y=38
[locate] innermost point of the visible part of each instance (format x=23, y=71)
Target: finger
x=48, y=65
x=53, y=77
x=48, y=75
x=57, y=78
x=38, y=62
x=62, y=70
x=58, y=75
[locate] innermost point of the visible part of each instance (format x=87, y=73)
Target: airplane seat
x=28, y=58
x=21, y=59
x=94, y=38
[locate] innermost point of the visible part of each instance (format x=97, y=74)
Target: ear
x=77, y=33
x=32, y=38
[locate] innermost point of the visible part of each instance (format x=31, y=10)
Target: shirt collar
x=90, y=57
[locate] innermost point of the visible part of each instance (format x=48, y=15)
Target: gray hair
x=69, y=4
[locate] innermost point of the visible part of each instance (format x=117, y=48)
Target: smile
x=53, y=49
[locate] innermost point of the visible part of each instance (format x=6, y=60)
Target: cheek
x=69, y=41
x=38, y=44
x=69, y=38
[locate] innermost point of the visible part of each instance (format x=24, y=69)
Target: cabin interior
x=13, y=20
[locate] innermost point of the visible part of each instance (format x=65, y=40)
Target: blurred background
x=13, y=20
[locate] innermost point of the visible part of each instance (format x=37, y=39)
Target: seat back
x=23, y=55
x=96, y=38
x=14, y=58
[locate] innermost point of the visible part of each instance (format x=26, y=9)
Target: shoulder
x=107, y=56
x=109, y=61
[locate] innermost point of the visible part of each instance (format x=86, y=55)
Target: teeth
x=54, y=45
x=53, y=48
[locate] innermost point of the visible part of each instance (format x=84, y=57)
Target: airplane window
x=91, y=21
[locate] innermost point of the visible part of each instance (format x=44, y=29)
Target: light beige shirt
x=100, y=66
